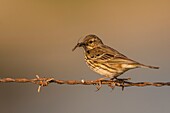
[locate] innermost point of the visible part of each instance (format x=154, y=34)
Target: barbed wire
x=111, y=83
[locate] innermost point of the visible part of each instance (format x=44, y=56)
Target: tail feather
x=152, y=67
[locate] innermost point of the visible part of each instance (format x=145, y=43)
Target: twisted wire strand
x=111, y=83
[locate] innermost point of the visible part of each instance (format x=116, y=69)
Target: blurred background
x=36, y=37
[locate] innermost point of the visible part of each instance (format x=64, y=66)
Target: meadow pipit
x=105, y=60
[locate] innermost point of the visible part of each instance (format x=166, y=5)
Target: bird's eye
x=91, y=42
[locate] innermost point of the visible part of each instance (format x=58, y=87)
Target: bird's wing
x=108, y=54
x=111, y=52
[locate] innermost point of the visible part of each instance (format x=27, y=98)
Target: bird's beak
x=78, y=45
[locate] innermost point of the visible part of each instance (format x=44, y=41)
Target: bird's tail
x=148, y=66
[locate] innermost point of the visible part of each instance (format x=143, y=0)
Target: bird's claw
x=112, y=86
x=122, y=81
x=99, y=85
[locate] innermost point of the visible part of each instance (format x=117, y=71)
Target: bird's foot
x=99, y=85
x=112, y=86
x=121, y=81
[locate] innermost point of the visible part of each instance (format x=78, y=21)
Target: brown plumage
x=106, y=60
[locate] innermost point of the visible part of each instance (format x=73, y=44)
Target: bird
x=105, y=60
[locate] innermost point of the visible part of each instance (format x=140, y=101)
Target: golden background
x=36, y=37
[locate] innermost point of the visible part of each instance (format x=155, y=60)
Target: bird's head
x=89, y=42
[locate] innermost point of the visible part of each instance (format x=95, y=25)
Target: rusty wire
x=111, y=83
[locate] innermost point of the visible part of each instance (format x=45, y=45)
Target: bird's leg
x=99, y=85
x=120, y=79
x=123, y=79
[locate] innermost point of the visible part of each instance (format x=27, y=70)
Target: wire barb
x=42, y=82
